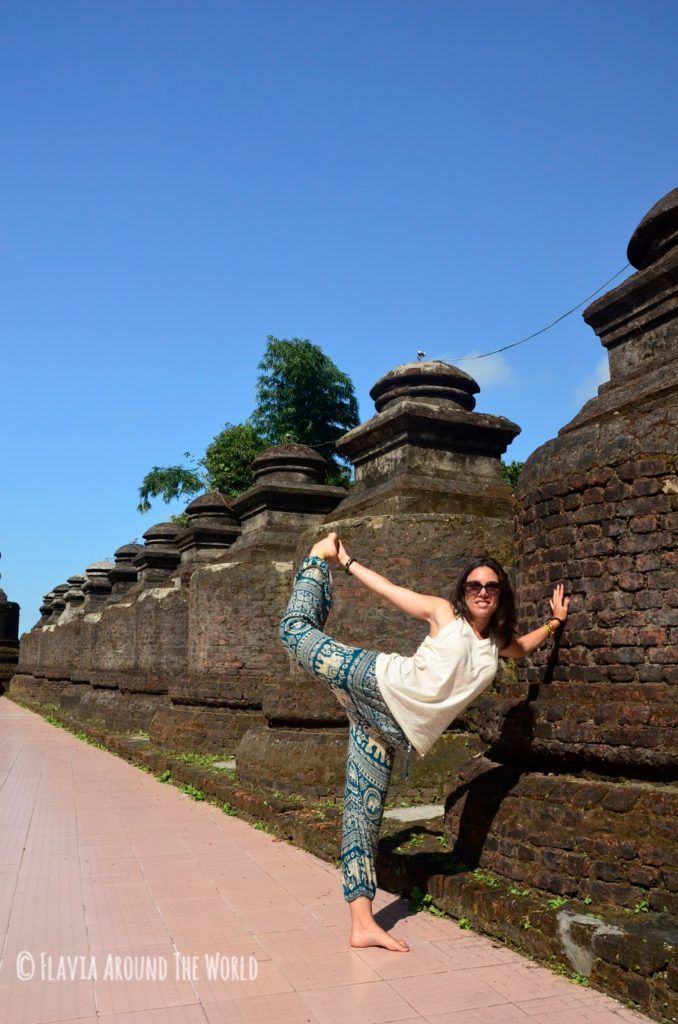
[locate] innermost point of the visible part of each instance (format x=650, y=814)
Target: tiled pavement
x=99, y=860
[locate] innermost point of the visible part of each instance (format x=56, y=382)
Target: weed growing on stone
x=262, y=826
x=587, y=900
x=525, y=922
x=556, y=903
x=578, y=978
x=424, y=901
x=198, y=760
x=514, y=890
x=464, y=923
x=192, y=791
x=641, y=907
x=165, y=776
x=486, y=877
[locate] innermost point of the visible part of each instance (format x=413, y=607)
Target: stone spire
x=160, y=555
x=123, y=574
x=636, y=321
x=45, y=609
x=288, y=489
x=9, y=620
x=58, y=602
x=426, y=438
x=74, y=598
x=211, y=529
x=9, y=639
x=97, y=586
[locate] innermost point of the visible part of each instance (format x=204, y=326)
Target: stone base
x=312, y=762
x=201, y=729
x=606, y=840
x=113, y=709
x=9, y=657
x=35, y=690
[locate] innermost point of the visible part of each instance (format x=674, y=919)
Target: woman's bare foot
x=326, y=548
x=366, y=932
x=376, y=936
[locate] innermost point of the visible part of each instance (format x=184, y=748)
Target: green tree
x=229, y=457
x=303, y=396
x=169, y=483
x=510, y=472
x=225, y=467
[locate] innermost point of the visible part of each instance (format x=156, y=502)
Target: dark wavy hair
x=503, y=622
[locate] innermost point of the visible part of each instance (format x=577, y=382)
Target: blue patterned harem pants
x=374, y=734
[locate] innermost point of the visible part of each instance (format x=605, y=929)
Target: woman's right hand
x=342, y=554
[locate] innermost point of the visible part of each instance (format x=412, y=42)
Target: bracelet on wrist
x=347, y=565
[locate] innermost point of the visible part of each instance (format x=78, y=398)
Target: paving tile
x=507, y=1013
x=371, y=1003
x=523, y=982
x=274, y=920
x=312, y=941
x=237, y=984
x=448, y=990
x=421, y=959
x=191, y=1013
x=139, y=978
x=464, y=956
x=283, y=1008
x=327, y=971
x=28, y=1002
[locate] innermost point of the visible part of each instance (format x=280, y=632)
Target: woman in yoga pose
x=400, y=702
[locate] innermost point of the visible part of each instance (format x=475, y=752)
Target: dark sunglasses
x=474, y=588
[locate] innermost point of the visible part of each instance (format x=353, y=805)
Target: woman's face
x=479, y=599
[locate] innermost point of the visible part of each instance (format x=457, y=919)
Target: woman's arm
x=521, y=646
x=419, y=606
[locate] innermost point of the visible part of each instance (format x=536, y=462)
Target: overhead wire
x=548, y=327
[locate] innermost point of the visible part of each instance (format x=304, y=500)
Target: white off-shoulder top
x=427, y=691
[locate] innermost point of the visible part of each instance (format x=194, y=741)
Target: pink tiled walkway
x=98, y=860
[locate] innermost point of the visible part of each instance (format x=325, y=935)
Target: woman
x=397, y=702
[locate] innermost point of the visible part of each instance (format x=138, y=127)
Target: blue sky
x=182, y=179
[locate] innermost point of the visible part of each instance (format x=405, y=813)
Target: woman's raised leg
x=301, y=632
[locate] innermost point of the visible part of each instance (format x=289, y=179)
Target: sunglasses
x=474, y=588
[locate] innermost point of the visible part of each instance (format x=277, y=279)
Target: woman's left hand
x=559, y=603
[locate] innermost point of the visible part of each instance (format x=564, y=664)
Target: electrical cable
x=548, y=327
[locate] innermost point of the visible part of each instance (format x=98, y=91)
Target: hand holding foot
x=327, y=548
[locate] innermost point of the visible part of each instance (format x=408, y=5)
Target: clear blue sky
x=181, y=179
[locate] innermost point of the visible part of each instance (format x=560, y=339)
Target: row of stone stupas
x=425, y=422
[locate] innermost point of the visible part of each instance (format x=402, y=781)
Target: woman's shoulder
x=445, y=615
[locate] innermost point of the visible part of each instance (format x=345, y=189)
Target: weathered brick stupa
x=576, y=795
x=47, y=657
x=235, y=603
x=9, y=639
x=428, y=496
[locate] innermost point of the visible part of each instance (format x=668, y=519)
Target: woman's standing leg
x=368, y=772
x=349, y=673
